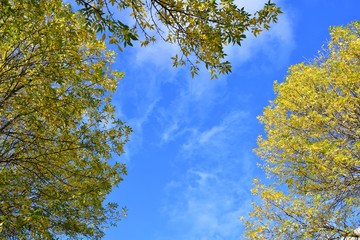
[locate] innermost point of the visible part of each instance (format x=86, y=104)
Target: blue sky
x=190, y=158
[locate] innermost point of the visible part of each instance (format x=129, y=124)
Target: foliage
x=312, y=149
x=58, y=130
x=200, y=28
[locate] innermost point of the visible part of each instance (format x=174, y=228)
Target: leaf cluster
x=58, y=129
x=312, y=148
x=201, y=28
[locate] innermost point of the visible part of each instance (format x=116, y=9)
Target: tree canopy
x=312, y=148
x=200, y=28
x=58, y=129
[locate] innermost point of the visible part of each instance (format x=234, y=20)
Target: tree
x=312, y=148
x=200, y=28
x=58, y=129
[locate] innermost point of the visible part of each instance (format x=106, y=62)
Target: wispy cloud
x=192, y=104
x=207, y=203
x=213, y=162
x=273, y=46
x=157, y=55
x=209, y=208
x=209, y=194
x=216, y=141
x=136, y=101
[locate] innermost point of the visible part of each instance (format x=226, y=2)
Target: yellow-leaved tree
x=312, y=148
x=58, y=130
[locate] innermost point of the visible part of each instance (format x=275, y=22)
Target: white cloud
x=206, y=136
x=195, y=98
x=209, y=189
x=217, y=140
x=157, y=56
x=206, y=201
x=199, y=95
x=274, y=46
x=207, y=205
x=136, y=101
x=136, y=123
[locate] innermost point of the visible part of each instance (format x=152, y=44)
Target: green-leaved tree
x=312, y=148
x=58, y=130
x=201, y=28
